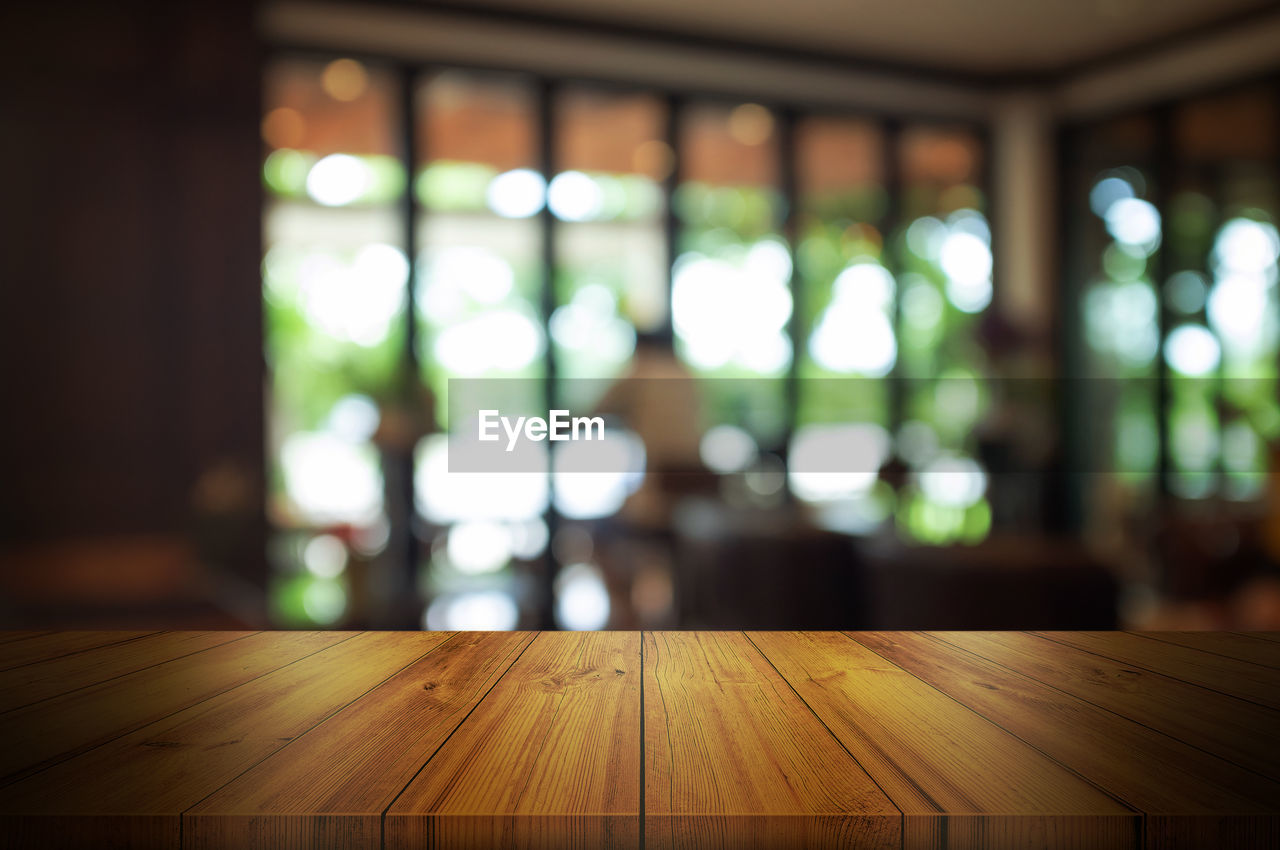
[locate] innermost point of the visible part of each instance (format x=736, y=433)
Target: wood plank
x=48, y=732
x=1239, y=731
x=1271, y=636
x=1251, y=647
x=312, y=751
x=955, y=775
x=35, y=682
x=11, y=636
x=1188, y=795
x=733, y=758
x=331, y=786
x=163, y=769
x=550, y=758
x=1227, y=675
x=57, y=644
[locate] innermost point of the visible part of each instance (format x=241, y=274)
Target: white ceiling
x=976, y=36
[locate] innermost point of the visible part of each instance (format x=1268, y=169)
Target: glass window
x=942, y=248
x=528, y=263
x=478, y=299
x=608, y=198
x=731, y=299
x=1179, y=302
x=334, y=278
x=1223, y=334
x=848, y=299
x=1120, y=231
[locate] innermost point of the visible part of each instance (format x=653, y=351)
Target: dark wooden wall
x=131, y=342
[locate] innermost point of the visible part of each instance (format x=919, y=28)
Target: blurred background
x=1023, y=256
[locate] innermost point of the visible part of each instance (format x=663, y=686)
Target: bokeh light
x=479, y=546
x=734, y=312
x=854, y=334
x=727, y=449
x=750, y=124
x=1192, y=351
x=1135, y=222
x=574, y=196
x=582, y=601
x=325, y=556
x=284, y=127
x=344, y=79
x=485, y=610
x=953, y=482
x=837, y=461
x=446, y=497
x=519, y=193
x=338, y=179
x=330, y=480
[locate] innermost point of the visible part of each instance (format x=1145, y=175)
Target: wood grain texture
x=47, y=732
x=733, y=758
x=549, y=758
x=671, y=739
x=1242, y=679
x=955, y=775
x=1148, y=770
x=331, y=785
x=35, y=682
x=1240, y=731
x=10, y=636
x=168, y=766
x=41, y=647
x=1254, y=647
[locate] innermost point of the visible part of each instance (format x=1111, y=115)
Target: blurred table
x=627, y=739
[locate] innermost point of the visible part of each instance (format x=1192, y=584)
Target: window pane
x=611, y=277
x=730, y=300
x=480, y=276
x=943, y=251
x=334, y=289
x=849, y=342
x=610, y=284
x=1218, y=242
x=478, y=301
x=848, y=293
x=1119, y=232
x=1221, y=289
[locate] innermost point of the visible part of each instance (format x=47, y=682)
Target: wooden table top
x=627, y=739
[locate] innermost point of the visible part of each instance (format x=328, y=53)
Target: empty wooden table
x=626, y=739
